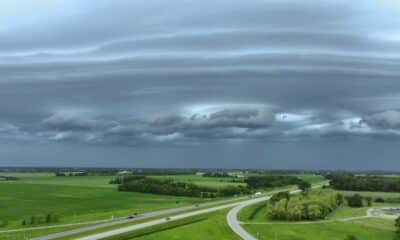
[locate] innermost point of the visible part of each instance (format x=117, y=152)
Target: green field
x=362, y=229
x=204, y=181
x=214, y=227
x=76, y=199
x=365, y=229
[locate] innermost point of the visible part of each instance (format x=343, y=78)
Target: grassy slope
x=366, y=229
x=32, y=233
x=325, y=231
x=215, y=227
x=260, y=216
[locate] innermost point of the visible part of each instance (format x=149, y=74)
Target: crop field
x=204, y=181
x=75, y=199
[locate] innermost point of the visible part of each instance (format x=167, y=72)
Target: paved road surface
x=123, y=220
x=234, y=224
x=158, y=221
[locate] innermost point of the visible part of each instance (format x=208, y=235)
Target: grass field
x=212, y=228
x=31, y=234
x=203, y=181
x=365, y=229
x=76, y=199
x=368, y=229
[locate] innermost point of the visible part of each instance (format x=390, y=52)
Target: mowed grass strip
x=319, y=231
x=255, y=212
x=157, y=228
x=213, y=228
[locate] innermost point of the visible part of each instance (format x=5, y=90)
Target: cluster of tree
x=171, y=187
x=365, y=183
x=273, y=181
x=127, y=178
x=40, y=219
x=8, y=178
x=312, y=205
x=216, y=174
x=355, y=200
x=397, y=225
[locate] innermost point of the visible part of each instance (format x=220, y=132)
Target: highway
x=234, y=224
x=237, y=204
x=118, y=221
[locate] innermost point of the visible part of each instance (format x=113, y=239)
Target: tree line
x=40, y=219
x=141, y=183
x=8, y=178
x=273, y=181
x=171, y=187
x=365, y=183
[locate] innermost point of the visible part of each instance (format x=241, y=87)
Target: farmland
x=76, y=199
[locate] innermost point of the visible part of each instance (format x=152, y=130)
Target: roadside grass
x=254, y=213
x=213, y=228
x=346, y=212
x=362, y=229
x=32, y=233
x=158, y=228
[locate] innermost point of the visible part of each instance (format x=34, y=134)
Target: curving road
x=157, y=222
x=235, y=225
x=117, y=221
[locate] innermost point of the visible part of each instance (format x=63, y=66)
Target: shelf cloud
x=202, y=84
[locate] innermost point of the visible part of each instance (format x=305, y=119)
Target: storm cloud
x=262, y=83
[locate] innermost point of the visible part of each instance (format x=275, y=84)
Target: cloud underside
x=212, y=123
x=168, y=72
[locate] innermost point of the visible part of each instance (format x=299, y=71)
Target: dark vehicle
x=135, y=215
x=168, y=219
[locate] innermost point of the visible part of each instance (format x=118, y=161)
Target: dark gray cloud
x=270, y=79
x=389, y=119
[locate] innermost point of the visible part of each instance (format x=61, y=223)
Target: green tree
x=355, y=200
x=303, y=185
x=351, y=237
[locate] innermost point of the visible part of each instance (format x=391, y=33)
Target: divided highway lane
x=177, y=217
x=125, y=220
x=156, y=222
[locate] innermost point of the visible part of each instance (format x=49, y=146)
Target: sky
x=261, y=84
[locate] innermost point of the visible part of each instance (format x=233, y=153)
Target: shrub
x=355, y=201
